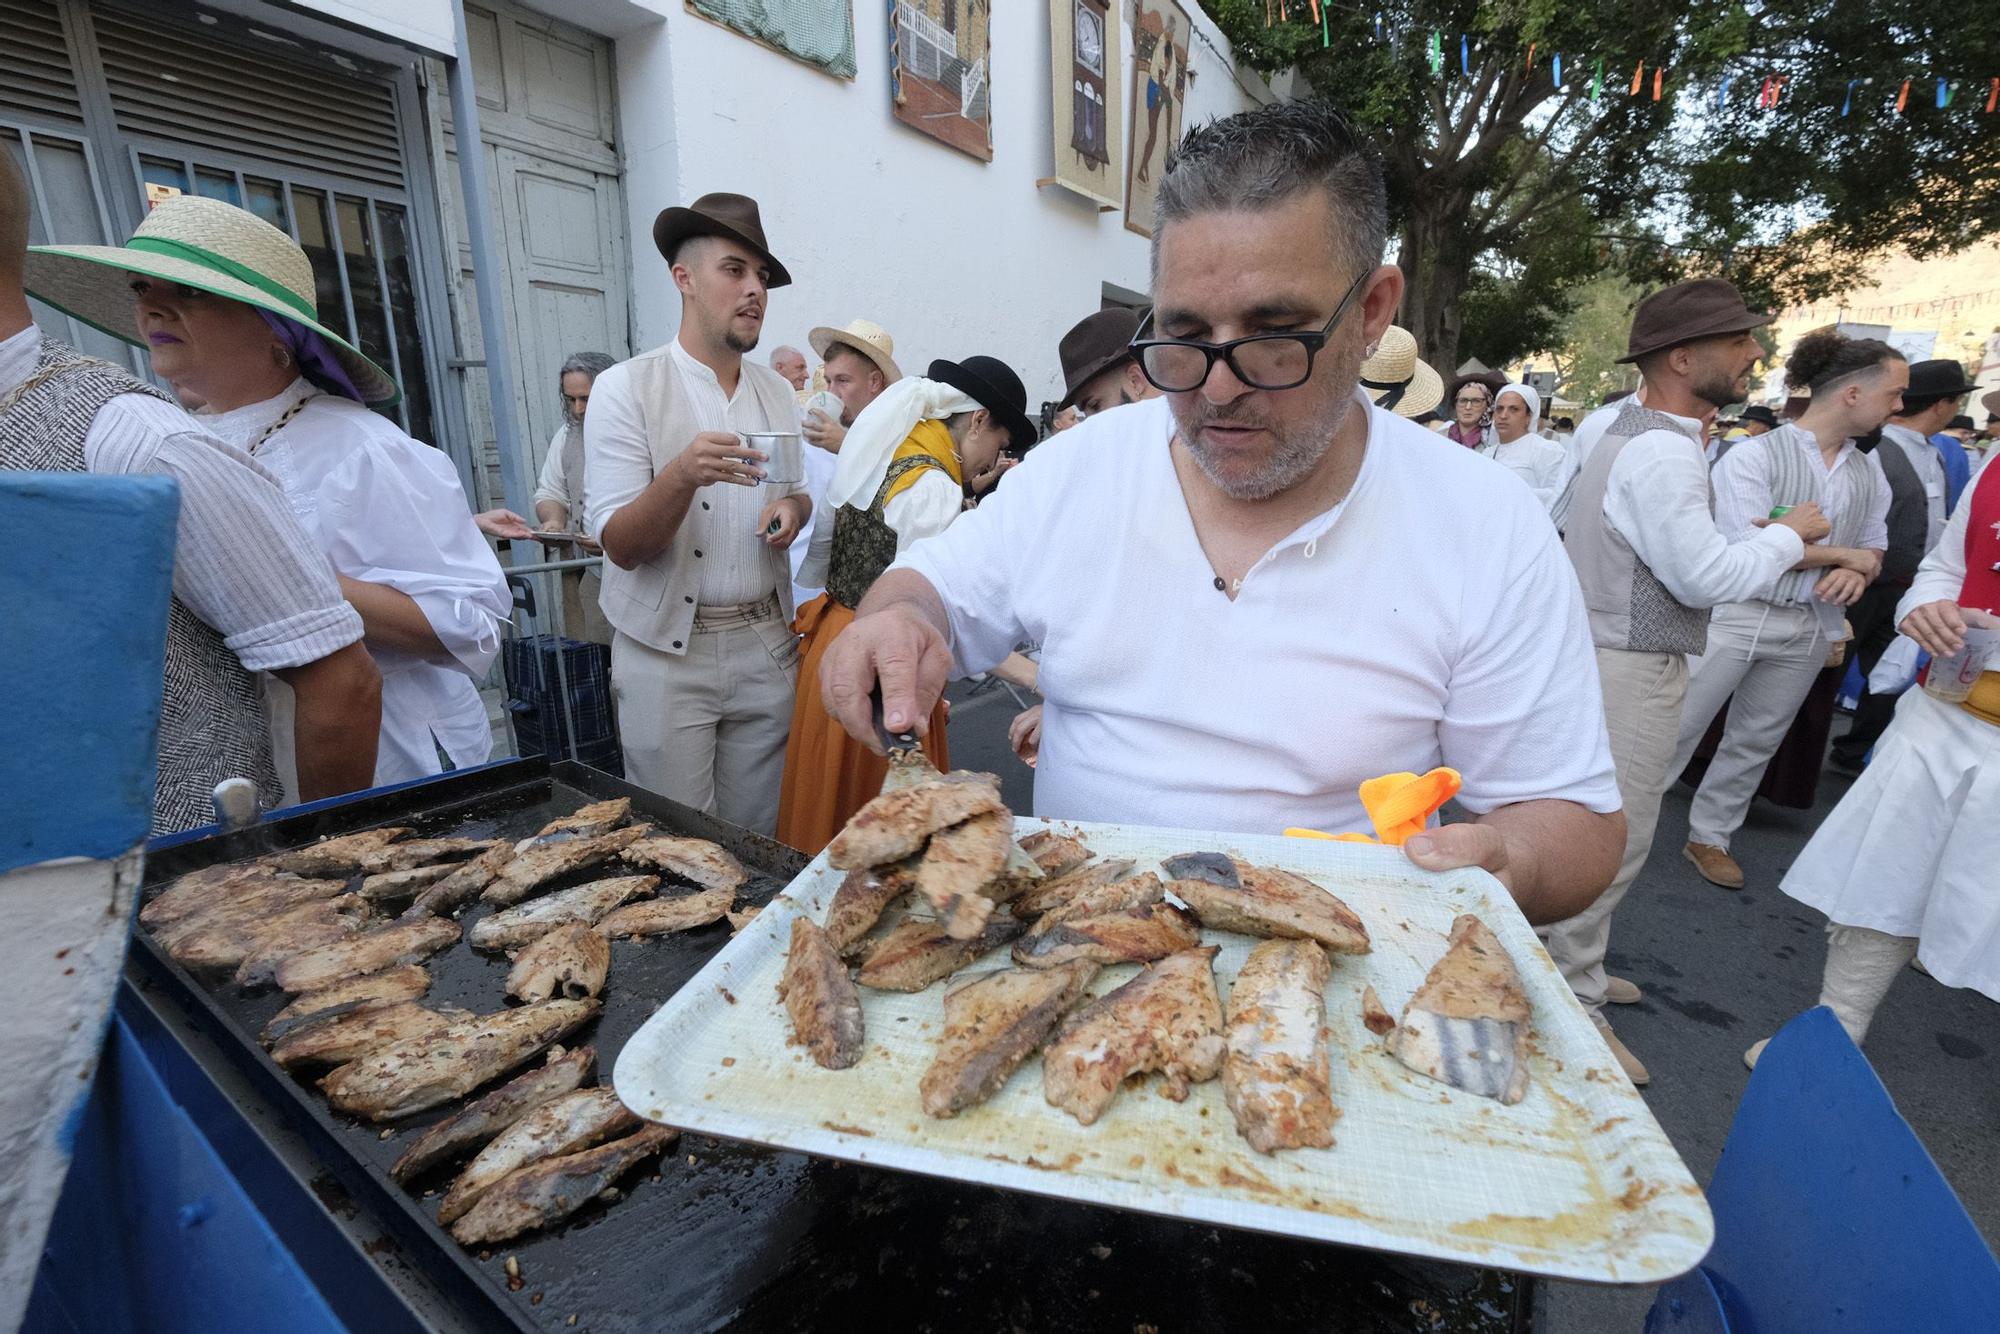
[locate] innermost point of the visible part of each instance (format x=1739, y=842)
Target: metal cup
x=784, y=466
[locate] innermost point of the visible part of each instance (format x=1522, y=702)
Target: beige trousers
x=1643, y=693
x=707, y=728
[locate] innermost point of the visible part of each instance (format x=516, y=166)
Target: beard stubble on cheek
x=1296, y=444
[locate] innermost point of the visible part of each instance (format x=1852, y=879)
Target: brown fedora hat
x=1685, y=312
x=732, y=217
x=1097, y=343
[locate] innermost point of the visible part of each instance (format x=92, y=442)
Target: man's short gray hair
x=1265, y=156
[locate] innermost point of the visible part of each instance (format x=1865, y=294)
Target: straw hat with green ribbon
x=207, y=245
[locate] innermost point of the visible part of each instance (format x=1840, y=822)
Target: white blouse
x=388, y=510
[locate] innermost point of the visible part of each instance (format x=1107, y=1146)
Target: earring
x=283, y=356
x=1371, y=349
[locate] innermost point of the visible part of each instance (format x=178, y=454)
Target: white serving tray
x=1575, y=1181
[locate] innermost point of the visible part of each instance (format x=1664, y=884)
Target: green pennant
x=1597, y=81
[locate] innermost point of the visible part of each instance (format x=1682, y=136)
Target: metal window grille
x=926, y=45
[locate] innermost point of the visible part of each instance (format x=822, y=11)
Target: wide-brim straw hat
x=207, y=245
x=1397, y=379
x=868, y=338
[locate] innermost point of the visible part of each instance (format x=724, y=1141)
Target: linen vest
x=1909, y=514
x=212, y=723
x=654, y=602
x=1797, y=477
x=1628, y=607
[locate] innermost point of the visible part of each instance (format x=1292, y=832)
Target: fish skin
x=482, y=1120
x=1167, y=1019
x=464, y=883
x=819, y=996
x=335, y=856
x=586, y=903
x=562, y=1125
x=1467, y=1025
x=961, y=865
x=1277, y=1077
x=405, y=1078
x=399, y=942
x=1136, y=935
x=411, y=854
x=864, y=895
x=1232, y=895
x=919, y=952
x=571, y=961
x=212, y=942
x=391, y=986
x=551, y=1190
x=991, y=1026
x=897, y=824
x=599, y=817
x=1058, y=890
x=342, y=1038
x=695, y=860
x=664, y=916
x=530, y=870
x=249, y=901
x=348, y=917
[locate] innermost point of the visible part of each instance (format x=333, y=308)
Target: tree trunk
x=1436, y=260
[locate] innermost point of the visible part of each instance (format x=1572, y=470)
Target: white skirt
x=1913, y=849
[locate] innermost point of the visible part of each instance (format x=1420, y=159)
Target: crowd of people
x=1242, y=574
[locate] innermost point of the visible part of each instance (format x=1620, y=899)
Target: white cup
x=1951, y=678
x=784, y=465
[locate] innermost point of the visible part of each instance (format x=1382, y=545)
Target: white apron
x=1913, y=849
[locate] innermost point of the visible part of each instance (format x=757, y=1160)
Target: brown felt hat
x=1686, y=312
x=732, y=217
x=1097, y=343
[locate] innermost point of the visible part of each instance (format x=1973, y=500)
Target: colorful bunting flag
x=1559, y=74
x=1637, y=75
x=1903, y=97
x=1943, y=94
x=1465, y=56
x=1993, y=98
x=1659, y=76
x=1437, y=52
x=1722, y=93
x=1597, y=81
x=1847, y=102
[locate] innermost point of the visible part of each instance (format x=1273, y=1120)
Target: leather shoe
x=1715, y=864
x=1756, y=1050
x=1618, y=991
x=1635, y=1069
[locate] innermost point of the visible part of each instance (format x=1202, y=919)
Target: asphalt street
x=1719, y=970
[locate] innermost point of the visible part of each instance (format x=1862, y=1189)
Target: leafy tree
x=1497, y=171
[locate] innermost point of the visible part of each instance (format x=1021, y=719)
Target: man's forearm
x=391, y=619
x=642, y=529
x=1819, y=556
x=336, y=722
x=910, y=590
x=1560, y=856
x=553, y=514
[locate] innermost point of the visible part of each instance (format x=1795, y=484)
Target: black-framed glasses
x=1262, y=361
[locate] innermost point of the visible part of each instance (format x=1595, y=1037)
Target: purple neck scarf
x=314, y=356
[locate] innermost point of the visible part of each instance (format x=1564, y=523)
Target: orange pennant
x=1658, y=76
x=1637, y=75
x=1903, y=97
x=1993, y=98
x=1531, y=57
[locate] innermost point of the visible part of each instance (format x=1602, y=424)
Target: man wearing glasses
x=1259, y=591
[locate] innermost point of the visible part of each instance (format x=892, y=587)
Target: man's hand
x=503, y=524
x=1555, y=857
x=718, y=456
x=1809, y=521
x=1024, y=734
x=1864, y=561
x=781, y=520
x=823, y=431
x=1938, y=627
x=897, y=649
x=1451, y=846
x=1840, y=586
x=588, y=543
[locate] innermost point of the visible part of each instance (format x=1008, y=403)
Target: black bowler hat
x=1939, y=378
x=991, y=384
x=1687, y=312
x=1098, y=343
x=732, y=217
x=1757, y=412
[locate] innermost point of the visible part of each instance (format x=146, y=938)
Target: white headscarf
x=865, y=454
x=1528, y=396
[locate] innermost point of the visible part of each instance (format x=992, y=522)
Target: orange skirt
x=828, y=774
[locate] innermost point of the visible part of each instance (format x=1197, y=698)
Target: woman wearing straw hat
x=224, y=302
x=906, y=469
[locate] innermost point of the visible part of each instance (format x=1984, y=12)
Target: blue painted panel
x=84, y=595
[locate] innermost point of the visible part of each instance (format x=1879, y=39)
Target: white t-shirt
x=1430, y=618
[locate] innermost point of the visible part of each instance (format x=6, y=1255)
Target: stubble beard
x=1719, y=390
x=1297, y=452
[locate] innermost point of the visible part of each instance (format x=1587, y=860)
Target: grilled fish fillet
x=599, y=817
x=562, y=1125
x=345, y=916
x=1276, y=1077
x=861, y=900
x=897, y=824
x=1231, y=895
x=1120, y=895
x=198, y=891
x=225, y=941
x=532, y=869
x=992, y=1025
x=1058, y=890
x=482, y=1120
x=960, y=867
x=695, y=860
x=347, y=1037
x=388, y=987
x=1168, y=1018
x=401, y=942
x=394, y=886
x=1056, y=854
x=569, y=961
x=1375, y=1016
x=417, y=852
x=820, y=998
x=335, y=856
x=1136, y=935
x=404, y=1078
x=241, y=901
x=1467, y=1026
x=465, y=882
x=553, y=1189
x=585, y=903
x=919, y=952
x=663, y=917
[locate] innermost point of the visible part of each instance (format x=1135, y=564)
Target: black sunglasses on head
x=1262, y=361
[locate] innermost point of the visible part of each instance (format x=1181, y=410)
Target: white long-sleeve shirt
x=1542, y=464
